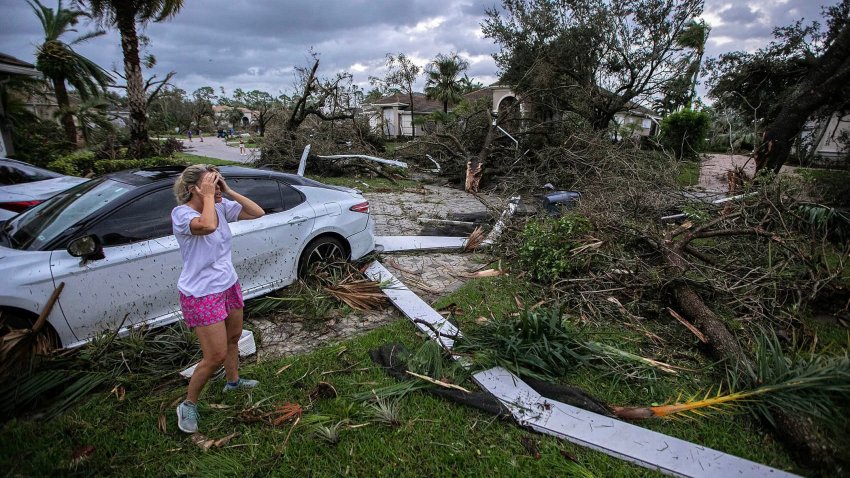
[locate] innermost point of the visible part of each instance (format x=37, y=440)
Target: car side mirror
x=87, y=247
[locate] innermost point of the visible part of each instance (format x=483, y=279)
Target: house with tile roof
x=392, y=115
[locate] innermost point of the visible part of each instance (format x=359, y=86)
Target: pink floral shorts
x=210, y=309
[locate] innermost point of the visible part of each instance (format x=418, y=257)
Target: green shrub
x=110, y=165
x=77, y=163
x=547, y=247
x=39, y=142
x=684, y=132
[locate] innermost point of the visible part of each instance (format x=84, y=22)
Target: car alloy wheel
x=322, y=250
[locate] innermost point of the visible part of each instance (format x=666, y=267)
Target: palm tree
x=444, y=82
x=60, y=63
x=693, y=36
x=93, y=114
x=123, y=15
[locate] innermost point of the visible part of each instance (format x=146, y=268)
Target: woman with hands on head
x=210, y=294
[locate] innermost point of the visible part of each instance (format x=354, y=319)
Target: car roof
x=145, y=176
x=27, y=166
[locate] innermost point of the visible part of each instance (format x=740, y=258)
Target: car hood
x=38, y=189
x=16, y=260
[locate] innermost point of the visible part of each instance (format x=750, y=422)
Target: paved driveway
x=213, y=147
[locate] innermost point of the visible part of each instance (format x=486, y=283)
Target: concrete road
x=217, y=148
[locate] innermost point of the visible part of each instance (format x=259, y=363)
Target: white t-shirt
x=207, y=263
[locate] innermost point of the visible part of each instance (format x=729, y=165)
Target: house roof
x=221, y=108
x=421, y=103
x=13, y=66
x=639, y=110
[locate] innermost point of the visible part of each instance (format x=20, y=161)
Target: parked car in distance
x=23, y=185
x=110, y=241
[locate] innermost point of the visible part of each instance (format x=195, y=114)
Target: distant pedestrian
x=201, y=135
x=241, y=147
x=231, y=131
x=189, y=133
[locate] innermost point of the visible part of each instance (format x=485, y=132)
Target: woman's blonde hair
x=188, y=179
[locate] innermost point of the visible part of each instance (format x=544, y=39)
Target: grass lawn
x=688, y=173
x=435, y=437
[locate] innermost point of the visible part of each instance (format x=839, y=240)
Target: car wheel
x=13, y=319
x=324, y=249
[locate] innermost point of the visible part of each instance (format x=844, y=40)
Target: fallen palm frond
x=475, y=239
x=206, y=443
x=605, y=351
x=437, y=382
x=18, y=345
x=274, y=418
x=538, y=344
x=427, y=359
x=805, y=384
x=359, y=294
x=24, y=391
x=385, y=411
x=318, y=296
x=394, y=390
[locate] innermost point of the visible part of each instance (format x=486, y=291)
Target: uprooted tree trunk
x=475, y=165
x=799, y=434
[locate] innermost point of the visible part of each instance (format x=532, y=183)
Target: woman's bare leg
x=233, y=323
x=213, y=339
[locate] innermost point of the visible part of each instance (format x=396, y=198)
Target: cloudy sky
x=255, y=44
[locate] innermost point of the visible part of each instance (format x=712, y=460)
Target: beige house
x=392, y=116
x=222, y=114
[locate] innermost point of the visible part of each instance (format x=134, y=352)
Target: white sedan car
x=109, y=240
x=23, y=185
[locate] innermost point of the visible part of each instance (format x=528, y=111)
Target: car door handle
x=299, y=219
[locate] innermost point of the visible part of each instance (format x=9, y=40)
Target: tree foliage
x=589, y=57
x=264, y=106
x=684, y=132
x=59, y=62
x=443, y=79
x=802, y=74
x=123, y=15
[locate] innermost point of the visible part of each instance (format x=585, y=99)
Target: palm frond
x=809, y=384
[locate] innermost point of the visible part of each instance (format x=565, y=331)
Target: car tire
x=322, y=249
x=14, y=319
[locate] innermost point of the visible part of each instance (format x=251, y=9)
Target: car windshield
x=15, y=173
x=41, y=224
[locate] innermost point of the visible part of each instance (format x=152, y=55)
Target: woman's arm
x=250, y=209
x=207, y=222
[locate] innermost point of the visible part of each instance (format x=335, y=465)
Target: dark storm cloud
x=256, y=44
x=748, y=26
x=738, y=14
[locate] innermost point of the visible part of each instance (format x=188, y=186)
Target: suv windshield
x=41, y=224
